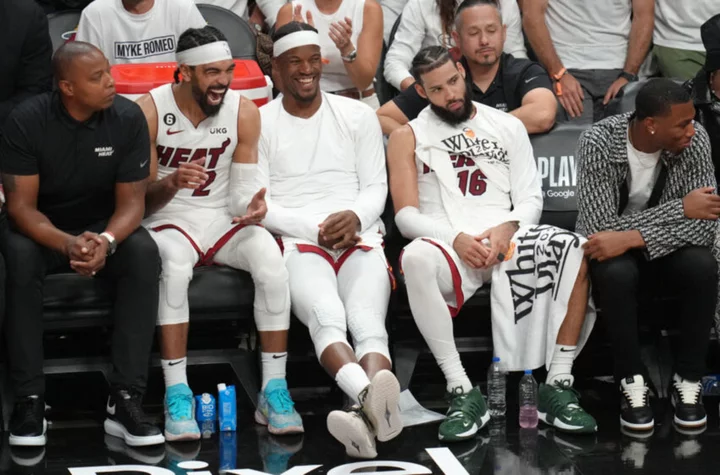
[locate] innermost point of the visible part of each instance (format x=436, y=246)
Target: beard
x=201, y=98
x=455, y=117
x=304, y=99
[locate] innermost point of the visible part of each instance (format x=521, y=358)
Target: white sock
x=273, y=366
x=455, y=375
x=352, y=380
x=561, y=364
x=174, y=371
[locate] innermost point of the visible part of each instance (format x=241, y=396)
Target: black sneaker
x=635, y=411
x=27, y=424
x=686, y=399
x=126, y=420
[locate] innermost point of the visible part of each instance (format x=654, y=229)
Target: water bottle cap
x=495, y=359
x=528, y=371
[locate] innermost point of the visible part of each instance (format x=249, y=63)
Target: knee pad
x=173, y=306
x=368, y=331
x=418, y=259
x=272, y=294
x=327, y=325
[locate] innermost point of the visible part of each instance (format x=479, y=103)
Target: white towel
x=530, y=294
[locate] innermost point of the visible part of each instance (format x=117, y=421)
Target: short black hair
x=292, y=27
x=67, y=53
x=475, y=3
x=193, y=37
x=657, y=96
x=428, y=59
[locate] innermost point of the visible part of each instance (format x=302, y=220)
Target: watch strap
x=112, y=243
x=629, y=76
x=350, y=57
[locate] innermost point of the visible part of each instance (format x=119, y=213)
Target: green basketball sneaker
x=559, y=407
x=467, y=414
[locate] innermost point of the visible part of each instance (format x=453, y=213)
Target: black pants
x=134, y=270
x=690, y=273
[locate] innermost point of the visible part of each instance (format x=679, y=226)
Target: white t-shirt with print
x=128, y=38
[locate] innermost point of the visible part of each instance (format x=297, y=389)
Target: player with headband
x=321, y=159
x=203, y=207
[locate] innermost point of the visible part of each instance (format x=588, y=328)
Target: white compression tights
x=429, y=283
x=355, y=299
x=252, y=249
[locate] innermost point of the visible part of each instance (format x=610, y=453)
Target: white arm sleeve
x=372, y=174
x=407, y=43
x=413, y=224
x=514, y=41
x=243, y=186
x=280, y=220
x=525, y=181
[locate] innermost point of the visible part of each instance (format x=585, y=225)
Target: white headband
x=204, y=54
x=295, y=40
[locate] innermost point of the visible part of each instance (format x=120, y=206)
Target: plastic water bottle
x=528, y=401
x=496, y=380
x=711, y=385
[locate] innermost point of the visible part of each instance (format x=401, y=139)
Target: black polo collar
x=62, y=113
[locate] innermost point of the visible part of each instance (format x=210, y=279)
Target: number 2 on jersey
x=204, y=189
x=473, y=183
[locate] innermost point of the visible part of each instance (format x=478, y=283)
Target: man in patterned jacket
x=648, y=208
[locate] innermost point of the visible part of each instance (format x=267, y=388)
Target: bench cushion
x=213, y=289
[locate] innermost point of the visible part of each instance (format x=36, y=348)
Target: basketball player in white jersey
x=203, y=210
x=321, y=160
x=466, y=189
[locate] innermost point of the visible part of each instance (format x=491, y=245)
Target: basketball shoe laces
x=280, y=401
x=689, y=391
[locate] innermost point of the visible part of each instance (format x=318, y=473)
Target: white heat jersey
x=477, y=174
x=178, y=141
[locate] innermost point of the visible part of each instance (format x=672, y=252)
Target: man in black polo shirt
x=74, y=164
x=518, y=86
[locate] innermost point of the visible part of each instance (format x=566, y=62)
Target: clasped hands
x=475, y=253
x=87, y=253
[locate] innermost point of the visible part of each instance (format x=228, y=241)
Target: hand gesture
x=607, y=244
x=613, y=90
x=256, y=210
x=297, y=16
x=499, y=238
x=82, y=247
x=702, y=203
x=472, y=252
x=339, y=230
x=189, y=175
x=572, y=95
x=341, y=34
x=87, y=253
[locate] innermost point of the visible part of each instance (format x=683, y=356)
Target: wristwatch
x=629, y=76
x=350, y=57
x=112, y=243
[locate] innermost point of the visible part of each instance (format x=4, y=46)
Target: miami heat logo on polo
x=172, y=157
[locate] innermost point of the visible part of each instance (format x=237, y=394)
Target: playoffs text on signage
x=559, y=182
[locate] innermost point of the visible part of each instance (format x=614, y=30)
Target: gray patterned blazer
x=603, y=170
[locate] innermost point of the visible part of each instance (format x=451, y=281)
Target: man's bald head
x=83, y=76
x=68, y=54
